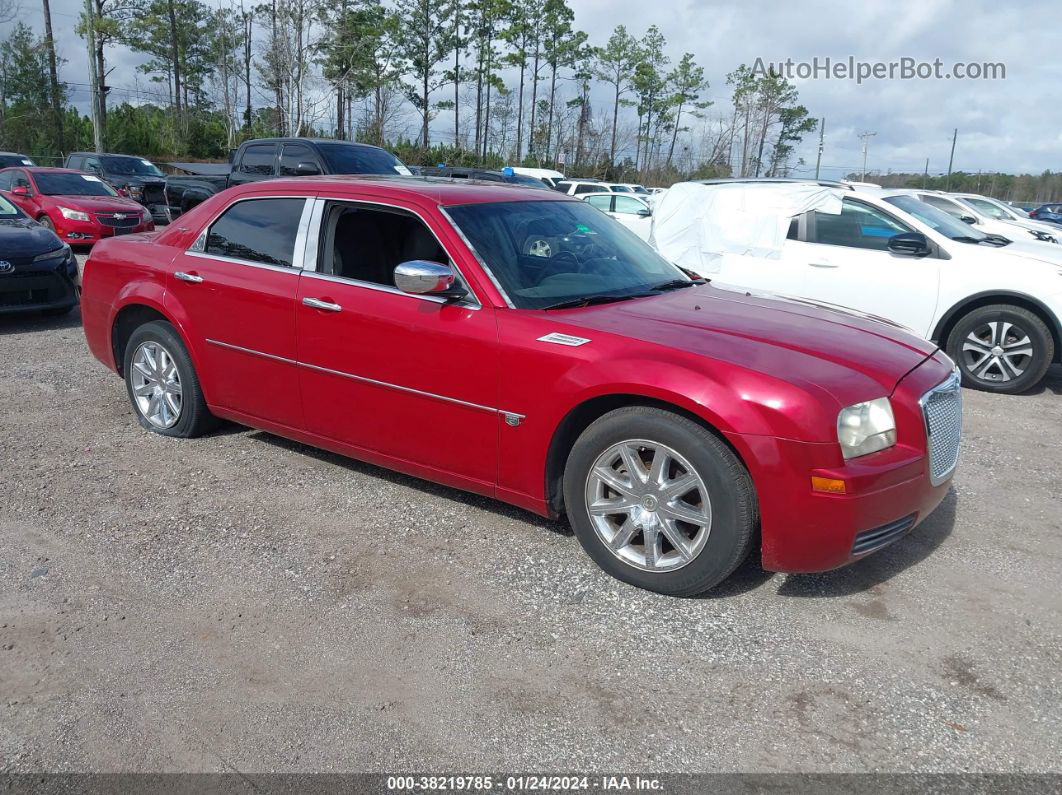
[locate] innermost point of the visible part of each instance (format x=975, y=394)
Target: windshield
x=937, y=220
x=72, y=185
x=992, y=209
x=8, y=210
x=521, y=179
x=129, y=166
x=352, y=159
x=548, y=252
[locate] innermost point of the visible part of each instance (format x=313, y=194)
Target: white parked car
x=547, y=175
x=631, y=211
x=1001, y=211
x=996, y=314
x=577, y=187
x=1010, y=228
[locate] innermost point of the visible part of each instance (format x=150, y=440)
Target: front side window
x=257, y=230
x=365, y=243
x=545, y=253
x=629, y=205
x=950, y=207
x=858, y=225
x=291, y=156
x=989, y=209
x=5, y=180
x=8, y=210
x=258, y=160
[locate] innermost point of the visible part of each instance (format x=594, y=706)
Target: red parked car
x=80, y=208
x=525, y=346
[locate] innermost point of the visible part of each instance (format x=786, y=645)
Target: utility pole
x=53, y=79
x=925, y=175
x=866, y=135
x=94, y=77
x=822, y=135
x=951, y=159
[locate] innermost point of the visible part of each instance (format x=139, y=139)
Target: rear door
x=258, y=161
x=234, y=291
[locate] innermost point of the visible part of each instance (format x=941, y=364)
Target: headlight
x=73, y=215
x=135, y=191
x=62, y=252
x=866, y=428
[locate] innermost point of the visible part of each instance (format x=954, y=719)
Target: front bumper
x=85, y=233
x=887, y=494
x=31, y=288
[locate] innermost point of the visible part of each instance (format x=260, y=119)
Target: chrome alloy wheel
x=997, y=351
x=648, y=505
x=156, y=385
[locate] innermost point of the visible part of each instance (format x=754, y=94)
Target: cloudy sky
x=1012, y=124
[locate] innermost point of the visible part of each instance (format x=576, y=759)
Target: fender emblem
x=564, y=339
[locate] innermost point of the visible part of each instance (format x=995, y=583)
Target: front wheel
x=162, y=384
x=46, y=222
x=659, y=502
x=1001, y=348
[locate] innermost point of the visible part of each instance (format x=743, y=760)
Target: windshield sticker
x=90, y=178
x=148, y=163
x=27, y=162
x=405, y=172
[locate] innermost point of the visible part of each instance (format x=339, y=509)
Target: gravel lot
x=241, y=602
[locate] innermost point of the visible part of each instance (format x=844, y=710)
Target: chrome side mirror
x=421, y=277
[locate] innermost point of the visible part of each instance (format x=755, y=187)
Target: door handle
x=317, y=303
x=822, y=264
x=188, y=277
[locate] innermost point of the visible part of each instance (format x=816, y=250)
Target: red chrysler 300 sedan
x=522, y=345
x=80, y=208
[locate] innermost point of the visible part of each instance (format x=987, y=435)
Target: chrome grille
x=942, y=410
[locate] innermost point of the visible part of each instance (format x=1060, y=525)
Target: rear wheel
x=162, y=384
x=1001, y=348
x=659, y=502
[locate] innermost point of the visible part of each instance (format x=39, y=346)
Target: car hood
x=850, y=355
x=98, y=204
x=21, y=237
x=1030, y=249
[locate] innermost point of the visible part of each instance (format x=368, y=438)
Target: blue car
x=1051, y=213
x=38, y=272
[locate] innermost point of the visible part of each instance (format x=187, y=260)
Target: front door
x=845, y=260
x=410, y=377
x=235, y=290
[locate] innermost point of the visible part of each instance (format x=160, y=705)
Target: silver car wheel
x=997, y=351
x=156, y=385
x=648, y=505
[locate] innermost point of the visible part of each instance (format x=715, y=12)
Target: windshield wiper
x=968, y=239
x=677, y=284
x=998, y=240
x=589, y=300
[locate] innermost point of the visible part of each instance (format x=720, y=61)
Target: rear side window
x=76, y=161
x=257, y=230
x=951, y=208
x=601, y=202
x=588, y=189
x=258, y=159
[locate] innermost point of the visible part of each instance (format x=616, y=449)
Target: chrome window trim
x=198, y=247
x=246, y=262
x=472, y=302
x=511, y=417
x=479, y=259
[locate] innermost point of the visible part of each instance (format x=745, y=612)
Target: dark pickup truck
x=269, y=158
x=131, y=176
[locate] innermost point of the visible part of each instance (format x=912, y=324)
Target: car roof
x=48, y=170
x=281, y=140
x=439, y=190
x=826, y=183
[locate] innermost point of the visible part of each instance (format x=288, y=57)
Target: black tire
x=194, y=418
x=1000, y=375
x=734, y=512
x=46, y=222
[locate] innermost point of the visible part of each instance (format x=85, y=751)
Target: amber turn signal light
x=827, y=485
